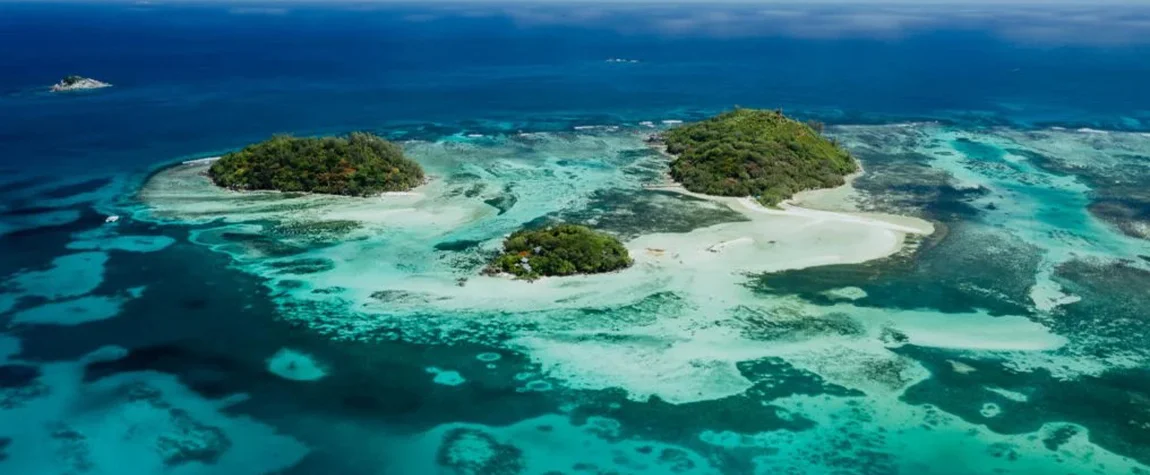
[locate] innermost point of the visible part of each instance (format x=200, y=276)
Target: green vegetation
x=71, y=80
x=360, y=164
x=748, y=152
x=562, y=249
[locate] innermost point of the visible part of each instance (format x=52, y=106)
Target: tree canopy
x=748, y=152
x=562, y=249
x=359, y=164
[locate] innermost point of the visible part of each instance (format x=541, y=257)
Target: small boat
x=111, y=219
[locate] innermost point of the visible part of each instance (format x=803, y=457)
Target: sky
x=1001, y=3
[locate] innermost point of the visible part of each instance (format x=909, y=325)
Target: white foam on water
x=1011, y=395
x=488, y=357
x=846, y=293
x=200, y=161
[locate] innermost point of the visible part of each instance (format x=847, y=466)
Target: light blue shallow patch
x=543, y=445
x=539, y=386
x=445, y=377
x=123, y=243
x=9, y=347
x=7, y=301
x=71, y=312
x=147, y=423
x=41, y=220
x=296, y=366
x=72, y=275
x=488, y=357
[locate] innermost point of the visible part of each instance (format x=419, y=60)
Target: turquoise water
x=208, y=331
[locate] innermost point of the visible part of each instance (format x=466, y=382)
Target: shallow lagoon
x=358, y=334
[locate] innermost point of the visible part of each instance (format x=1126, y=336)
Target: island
x=359, y=164
x=559, y=250
x=76, y=83
x=759, y=153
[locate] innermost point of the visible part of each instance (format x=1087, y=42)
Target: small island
x=759, y=153
x=360, y=164
x=559, y=250
x=77, y=83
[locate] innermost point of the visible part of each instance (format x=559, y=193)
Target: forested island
x=558, y=250
x=360, y=164
x=759, y=153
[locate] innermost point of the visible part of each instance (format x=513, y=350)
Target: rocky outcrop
x=76, y=83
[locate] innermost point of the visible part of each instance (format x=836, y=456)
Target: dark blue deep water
x=192, y=79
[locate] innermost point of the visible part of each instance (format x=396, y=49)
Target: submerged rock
x=296, y=366
x=471, y=451
x=192, y=441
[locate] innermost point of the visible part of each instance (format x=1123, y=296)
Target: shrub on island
x=71, y=80
x=558, y=250
x=359, y=164
x=748, y=152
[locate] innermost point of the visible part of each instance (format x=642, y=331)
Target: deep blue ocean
x=193, y=79
x=176, y=343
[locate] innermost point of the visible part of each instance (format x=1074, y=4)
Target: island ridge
x=360, y=164
x=759, y=153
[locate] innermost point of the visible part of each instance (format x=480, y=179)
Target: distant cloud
x=258, y=11
x=1103, y=23
x=1092, y=22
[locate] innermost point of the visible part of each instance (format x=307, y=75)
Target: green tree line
x=359, y=164
x=558, y=250
x=760, y=153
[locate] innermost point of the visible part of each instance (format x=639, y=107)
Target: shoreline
x=793, y=236
x=835, y=204
x=768, y=240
